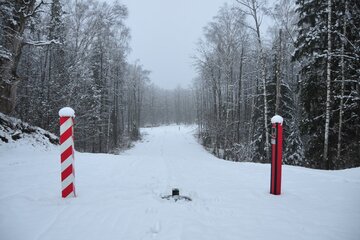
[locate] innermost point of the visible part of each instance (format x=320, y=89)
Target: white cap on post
x=277, y=119
x=67, y=112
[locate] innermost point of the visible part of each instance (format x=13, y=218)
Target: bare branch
x=34, y=10
x=42, y=43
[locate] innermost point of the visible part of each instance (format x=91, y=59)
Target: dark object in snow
x=175, y=192
x=176, y=196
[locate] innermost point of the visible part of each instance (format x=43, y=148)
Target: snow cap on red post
x=67, y=112
x=277, y=119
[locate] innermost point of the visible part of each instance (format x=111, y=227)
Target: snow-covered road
x=119, y=196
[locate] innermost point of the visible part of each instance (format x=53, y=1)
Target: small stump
x=176, y=196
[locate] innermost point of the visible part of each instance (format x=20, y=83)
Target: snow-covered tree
x=321, y=48
x=14, y=16
x=283, y=96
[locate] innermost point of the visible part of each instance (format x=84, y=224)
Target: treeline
x=163, y=107
x=74, y=53
x=308, y=73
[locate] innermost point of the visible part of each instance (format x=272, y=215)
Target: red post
x=276, y=154
x=67, y=152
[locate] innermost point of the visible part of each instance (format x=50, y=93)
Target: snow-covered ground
x=119, y=196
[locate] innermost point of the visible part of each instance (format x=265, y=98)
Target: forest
x=306, y=68
x=74, y=53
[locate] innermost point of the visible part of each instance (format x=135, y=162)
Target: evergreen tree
x=258, y=139
x=285, y=104
x=320, y=89
x=346, y=73
x=58, y=81
x=311, y=48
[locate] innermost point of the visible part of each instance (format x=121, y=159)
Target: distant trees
x=163, y=106
x=138, y=78
x=222, y=87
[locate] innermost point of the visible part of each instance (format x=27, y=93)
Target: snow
x=42, y=43
x=5, y=53
x=67, y=112
x=277, y=119
x=12, y=129
x=119, y=196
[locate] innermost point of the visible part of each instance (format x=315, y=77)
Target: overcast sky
x=164, y=35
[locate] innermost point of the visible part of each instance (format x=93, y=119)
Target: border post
x=276, y=154
x=67, y=116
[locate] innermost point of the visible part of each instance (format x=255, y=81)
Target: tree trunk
x=278, y=75
x=328, y=89
x=342, y=90
x=239, y=94
x=13, y=29
x=263, y=78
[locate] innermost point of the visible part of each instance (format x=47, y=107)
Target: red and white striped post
x=67, y=152
x=276, y=154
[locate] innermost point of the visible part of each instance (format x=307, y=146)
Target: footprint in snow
x=156, y=228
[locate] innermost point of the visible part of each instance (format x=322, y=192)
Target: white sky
x=164, y=34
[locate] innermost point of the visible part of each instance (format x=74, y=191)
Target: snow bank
x=14, y=130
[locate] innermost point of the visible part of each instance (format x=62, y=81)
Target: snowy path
x=119, y=196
